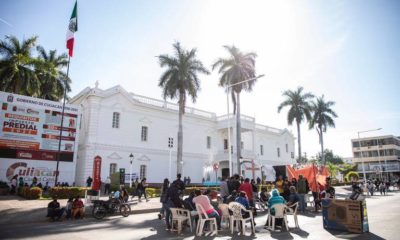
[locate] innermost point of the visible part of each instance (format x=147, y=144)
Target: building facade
x=116, y=123
x=380, y=156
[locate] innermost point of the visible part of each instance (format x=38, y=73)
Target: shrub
x=351, y=175
x=30, y=193
x=67, y=192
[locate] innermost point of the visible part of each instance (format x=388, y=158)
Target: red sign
x=215, y=166
x=96, y=173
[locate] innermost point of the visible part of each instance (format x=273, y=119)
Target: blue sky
x=347, y=50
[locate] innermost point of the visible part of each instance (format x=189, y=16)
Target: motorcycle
x=102, y=208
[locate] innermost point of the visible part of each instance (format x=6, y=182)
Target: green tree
x=179, y=80
x=322, y=118
x=49, y=71
x=332, y=169
x=234, y=69
x=330, y=157
x=346, y=168
x=17, y=73
x=299, y=108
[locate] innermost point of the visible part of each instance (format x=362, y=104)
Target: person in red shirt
x=78, y=208
x=248, y=189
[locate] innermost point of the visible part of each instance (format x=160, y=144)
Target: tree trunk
x=321, y=141
x=180, y=137
x=238, y=133
x=298, y=140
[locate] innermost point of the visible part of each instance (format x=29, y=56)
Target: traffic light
x=170, y=142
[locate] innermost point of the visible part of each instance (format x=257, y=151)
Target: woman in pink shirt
x=204, y=201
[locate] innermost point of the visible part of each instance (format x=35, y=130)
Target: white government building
x=116, y=123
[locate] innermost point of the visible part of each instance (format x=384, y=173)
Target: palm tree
x=17, y=73
x=237, y=68
x=322, y=118
x=179, y=80
x=299, y=107
x=49, y=71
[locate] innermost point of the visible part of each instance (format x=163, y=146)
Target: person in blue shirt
x=242, y=199
x=274, y=200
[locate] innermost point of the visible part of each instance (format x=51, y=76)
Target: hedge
x=30, y=193
x=67, y=192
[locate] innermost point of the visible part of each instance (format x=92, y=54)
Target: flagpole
x=62, y=122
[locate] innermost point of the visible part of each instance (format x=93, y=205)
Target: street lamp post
x=131, y=157
x=170, y=146
x=229, y=127
x=361, y=155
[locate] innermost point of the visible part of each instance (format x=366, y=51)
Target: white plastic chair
x=309, y=199
x=203, y=218
x=237, y=217
x=279, y=210
x=180, y=216
x=290, y=211
x=225, y=216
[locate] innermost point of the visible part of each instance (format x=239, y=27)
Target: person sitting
x=242, y=199
x=188, y=202
x=264, y=195
x=274, y=200
x=124, y=195
x=54, y=211
x=78, y=208
x=204, y=201
x=293, y=197
x=68, y=208
x=232, y=197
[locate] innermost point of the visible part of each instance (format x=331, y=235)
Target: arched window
x=143, y=171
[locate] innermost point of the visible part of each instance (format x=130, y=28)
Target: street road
x=383, y=213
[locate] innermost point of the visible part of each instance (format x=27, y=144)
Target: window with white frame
x=225, y=144
x=261, y=150
x=113, y=168
x=170, y=142
x=115, y=120
x=287, y=147
x=241, y=145
x=208, y=142
x=278, y=151
x=144, y=133
x=143, y=171
x=292, y=154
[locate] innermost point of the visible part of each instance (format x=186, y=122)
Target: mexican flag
x=72, y=28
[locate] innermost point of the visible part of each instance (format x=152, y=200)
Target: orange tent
x=311, y=173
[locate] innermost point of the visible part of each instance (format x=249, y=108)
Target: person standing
x=302, y=191
x=14, y=184
x=279, y=184
x=188, y=180
x=163, y=198
x=142, y=189
x=89, y=181
x=107, y=186
x=248, y=189
x=224, y=190
x=179, y=183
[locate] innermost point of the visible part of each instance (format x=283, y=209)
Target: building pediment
x=114, y=156
x=144, y=158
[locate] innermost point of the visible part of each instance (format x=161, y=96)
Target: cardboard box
x=345, y=215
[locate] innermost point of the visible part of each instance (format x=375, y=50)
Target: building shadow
x=355, y=236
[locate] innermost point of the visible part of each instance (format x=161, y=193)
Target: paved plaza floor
x=383, y=214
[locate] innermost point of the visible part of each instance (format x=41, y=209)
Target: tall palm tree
x=238, y=67
x=299, y=107
x=49, y=71
x=322, y=118
x=17, y=73
x=179, y=80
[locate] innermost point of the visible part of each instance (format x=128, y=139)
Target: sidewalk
x=16, y=210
